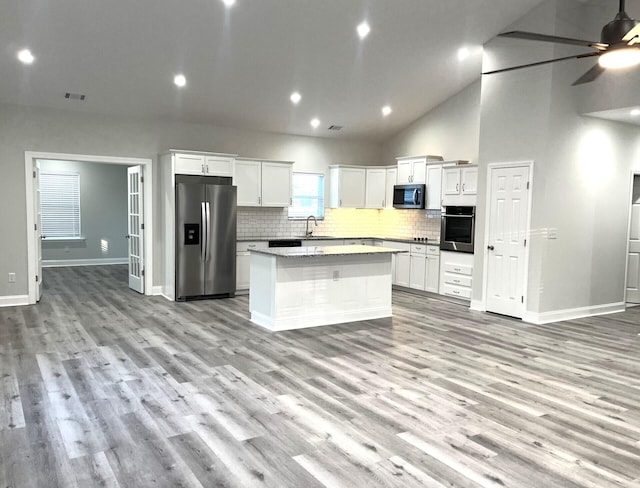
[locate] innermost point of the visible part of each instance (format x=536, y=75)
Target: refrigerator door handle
x=203, y=231
x=208, y=212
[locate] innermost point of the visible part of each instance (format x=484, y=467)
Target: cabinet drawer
x=458, y=269
x=248, y=246
x=400, y=246
x=433, y=250
x=418, y=249
x=457, y=291
x=458, y=280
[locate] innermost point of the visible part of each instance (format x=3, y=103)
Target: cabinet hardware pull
x=463, y=187
x=491, y=248
x=457, y=186
x=260, y=200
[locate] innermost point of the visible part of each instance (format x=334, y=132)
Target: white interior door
x=136, y=228
x=633, y=261
x=38, y=229
x=508, y=226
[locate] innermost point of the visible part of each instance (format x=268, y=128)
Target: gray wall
x=450, y=130
x=31, y=129
x=582, y=167
x=103, y=206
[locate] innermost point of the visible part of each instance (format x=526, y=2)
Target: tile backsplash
x=401, y=224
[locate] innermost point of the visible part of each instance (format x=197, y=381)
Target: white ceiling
x=243, y=63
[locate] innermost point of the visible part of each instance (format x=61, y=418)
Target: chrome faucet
x=308, y=232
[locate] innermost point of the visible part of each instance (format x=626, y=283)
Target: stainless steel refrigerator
x=205, y=237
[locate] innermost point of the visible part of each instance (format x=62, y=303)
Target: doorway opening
x=632, y=287
x=139, y=222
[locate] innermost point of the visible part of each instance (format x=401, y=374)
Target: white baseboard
x=478, y=306
x=329, y=318
x=573, y=313
x=58, y=263
x=14, y=300
x=157, y=290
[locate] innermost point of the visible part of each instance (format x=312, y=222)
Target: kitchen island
x=298, y=287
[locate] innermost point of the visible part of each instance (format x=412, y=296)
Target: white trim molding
x=58, y=263
x=14, y=300
x=573, y=313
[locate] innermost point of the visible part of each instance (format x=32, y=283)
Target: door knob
x=491, y=248
x=127, y=236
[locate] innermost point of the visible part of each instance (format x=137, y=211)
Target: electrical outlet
x=336, y=275
x=12, y=277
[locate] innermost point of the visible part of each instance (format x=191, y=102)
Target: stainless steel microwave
x=409, y=196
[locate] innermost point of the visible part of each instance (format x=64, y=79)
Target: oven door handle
x=461, y=216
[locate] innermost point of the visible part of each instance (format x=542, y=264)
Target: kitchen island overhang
x=295, y=288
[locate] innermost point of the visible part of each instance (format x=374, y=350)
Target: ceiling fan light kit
x=619, y=47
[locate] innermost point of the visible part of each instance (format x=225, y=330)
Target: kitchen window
x=307, y=196
x=60, y=205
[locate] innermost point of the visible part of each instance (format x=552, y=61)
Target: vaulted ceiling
x=242, y=63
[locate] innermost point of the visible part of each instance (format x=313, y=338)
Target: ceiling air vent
x=335, y=127
x=74, y=96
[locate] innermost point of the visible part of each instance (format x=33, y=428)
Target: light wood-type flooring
x=103, y=387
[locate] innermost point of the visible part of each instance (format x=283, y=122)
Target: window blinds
x=60, y=204
x=308, y=196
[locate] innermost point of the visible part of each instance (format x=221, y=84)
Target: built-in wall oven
x=458, y=229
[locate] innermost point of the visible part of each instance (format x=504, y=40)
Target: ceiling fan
x=619, y=47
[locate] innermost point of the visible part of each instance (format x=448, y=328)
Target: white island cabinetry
x=294, y=288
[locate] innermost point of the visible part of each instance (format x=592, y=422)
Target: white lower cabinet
x=418, y=260
x=456, y=274
x=403, y=269
x=432, y=273
x=322, y=242
x=402, y=258
x=243, y=262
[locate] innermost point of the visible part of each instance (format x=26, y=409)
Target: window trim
x=324, y=177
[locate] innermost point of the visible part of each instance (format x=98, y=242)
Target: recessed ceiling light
x=315, y=123
x=180, y=80
x=386, y=110
x=363, y=30
x=463, y=53
x=25, y=56
x=229, y=3
x=635, y=112
x=295, y=98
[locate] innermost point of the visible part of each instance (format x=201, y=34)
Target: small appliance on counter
x=409, y=196
x=458, y=229
x=205, y=237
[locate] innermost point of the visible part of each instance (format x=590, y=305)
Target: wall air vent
x=335, y=127
x=75, y=96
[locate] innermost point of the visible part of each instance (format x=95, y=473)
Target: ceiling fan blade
x=590, y=75
x=539, y=63
x=533, y=36
x=633, y=35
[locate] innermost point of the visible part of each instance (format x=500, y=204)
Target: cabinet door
x=405, y=171
x=392, y=174
x=189, y=164
x=432, y=279
x=248, y=179
x=419, y=172
x=276, y=184
x=403, y=267
x=243, y=264
x=217, y=166
x=418, y=271
x=434, y=187
x=469, y=183
x=451, y=181
x=376, y=188
x=352, y=187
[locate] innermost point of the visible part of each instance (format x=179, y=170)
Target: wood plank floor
x=103, y=387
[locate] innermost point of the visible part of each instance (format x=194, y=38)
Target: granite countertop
x=311, y=251
x=429, y=242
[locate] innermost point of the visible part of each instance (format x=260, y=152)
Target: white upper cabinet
x=203, y=164
x=459, y=185
x=348, y=187
x=263, y=183
x=375, y=187
x=434, y=187
x=391, y=179
x=412, y=171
